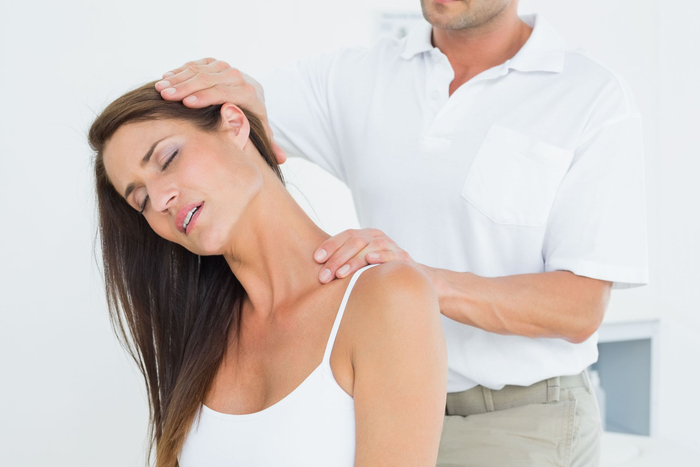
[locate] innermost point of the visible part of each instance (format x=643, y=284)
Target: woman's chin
x=206, y=245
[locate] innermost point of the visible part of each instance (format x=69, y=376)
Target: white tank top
x=314, y=425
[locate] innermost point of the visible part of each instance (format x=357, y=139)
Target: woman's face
x=186, y=167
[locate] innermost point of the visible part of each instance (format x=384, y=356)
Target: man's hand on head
x=208, y=81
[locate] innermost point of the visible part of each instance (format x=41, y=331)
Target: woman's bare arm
x=400, y=365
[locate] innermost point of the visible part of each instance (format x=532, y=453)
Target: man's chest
x=499, y=158
x=481, y=166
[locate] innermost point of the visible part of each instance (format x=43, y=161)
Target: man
x=509, y=169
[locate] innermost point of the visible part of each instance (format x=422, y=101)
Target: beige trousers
x=555, y=422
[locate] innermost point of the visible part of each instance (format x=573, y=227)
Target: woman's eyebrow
x=144, y=161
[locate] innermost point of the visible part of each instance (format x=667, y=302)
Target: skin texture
x=475, y=35
x=462, y=15
x=209, y=173
x=385, y=361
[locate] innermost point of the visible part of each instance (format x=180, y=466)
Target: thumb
x=279, y=153
x=276, y=149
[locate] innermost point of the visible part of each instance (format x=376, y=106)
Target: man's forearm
x=551, y=304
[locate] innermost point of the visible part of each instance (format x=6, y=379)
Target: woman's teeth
x=189, y=216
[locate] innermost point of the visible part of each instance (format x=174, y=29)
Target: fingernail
x=373, y=255
x=162, y=84
x=190, y=99
x=320, y=254
x=344, y=269
x=168, y=74
x=169, y=91
x=325, y=275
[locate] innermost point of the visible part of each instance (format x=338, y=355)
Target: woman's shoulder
x=395, y=280
x=394, y=297
x=398, y=357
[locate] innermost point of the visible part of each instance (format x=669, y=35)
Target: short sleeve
x=597, y=226
x=297, y=102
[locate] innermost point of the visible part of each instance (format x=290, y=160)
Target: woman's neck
x=271, y=253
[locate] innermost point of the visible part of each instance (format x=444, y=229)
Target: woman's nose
x=164, y=197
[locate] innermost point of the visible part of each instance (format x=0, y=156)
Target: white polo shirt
x=533, y=165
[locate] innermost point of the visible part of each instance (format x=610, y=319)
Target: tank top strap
x=339, y=316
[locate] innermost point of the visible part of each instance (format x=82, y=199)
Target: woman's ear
x=234, y=121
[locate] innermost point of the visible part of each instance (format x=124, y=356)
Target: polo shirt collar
x=419, y=39
x=543, y=51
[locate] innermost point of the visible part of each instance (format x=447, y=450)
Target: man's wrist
x=452, y=294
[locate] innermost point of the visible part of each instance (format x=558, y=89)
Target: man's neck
x=473, y=50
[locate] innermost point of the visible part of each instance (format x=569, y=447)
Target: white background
x=69, y=395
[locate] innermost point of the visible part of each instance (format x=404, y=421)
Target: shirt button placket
x=440, y=75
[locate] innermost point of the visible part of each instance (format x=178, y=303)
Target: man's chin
x=448, y=24
x=446, y=19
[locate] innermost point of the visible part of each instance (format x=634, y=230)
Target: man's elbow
x=587, y=326
x=591, y=316
x=582, y=334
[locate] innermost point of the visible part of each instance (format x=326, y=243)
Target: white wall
x=68, y=394
x=676, y=164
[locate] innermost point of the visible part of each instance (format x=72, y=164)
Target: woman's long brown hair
x=177, y=307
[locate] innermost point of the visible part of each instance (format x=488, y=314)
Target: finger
x=216, y=66
x=277, y=150
x=352, y=265
x=367, y=256
x=200, y=80
x=383, y=256
x=371, y=255
x=279, y=153
x=196, y=77
x=201, y=61
x=216, y=95
x=331, y=245
x=353, y=247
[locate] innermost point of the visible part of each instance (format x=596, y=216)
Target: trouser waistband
x=480, y=399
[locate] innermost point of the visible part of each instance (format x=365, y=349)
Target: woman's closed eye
x=165, y=166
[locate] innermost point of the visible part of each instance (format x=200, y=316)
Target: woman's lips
x=182, y=214
x=190, y=226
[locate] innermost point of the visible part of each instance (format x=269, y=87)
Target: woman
x=246, y=356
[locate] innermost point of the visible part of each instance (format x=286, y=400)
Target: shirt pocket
x=514, y=177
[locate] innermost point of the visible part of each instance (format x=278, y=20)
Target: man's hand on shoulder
x=353, y=249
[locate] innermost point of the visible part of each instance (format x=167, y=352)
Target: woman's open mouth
x=187, y=220
x=191, y=218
